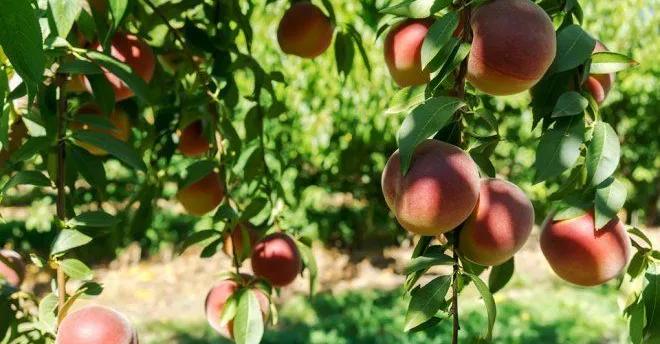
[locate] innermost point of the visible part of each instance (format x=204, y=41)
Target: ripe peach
x=513, y=45
x=403, y=52
x=132, y=51
x=304, y=31
x=499, y=226
x=96, y=325
x=14, y=272
x=599, y=85
x=193, y=142
x=236, y=237
x=215, y=303
x=276, y=259
x=582, y=255
x=439, y=191
x=118, y=118
x=203, y=195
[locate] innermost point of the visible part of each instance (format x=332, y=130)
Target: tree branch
x=60, y=181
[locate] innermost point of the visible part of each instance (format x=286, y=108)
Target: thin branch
x=60, y=182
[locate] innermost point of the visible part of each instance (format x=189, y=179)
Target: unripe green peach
x=439, y=191
x=513, y=45
x=499, y=226
x=582, y=255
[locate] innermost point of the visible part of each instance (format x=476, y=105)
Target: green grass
x=529, y=315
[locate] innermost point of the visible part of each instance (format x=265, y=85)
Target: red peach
x=96, y=325
x=304, y=31
x=193, y=142
x=14, y=273
x=215, y=304
x=276, y=259
x=203, y=195
x=403, y=52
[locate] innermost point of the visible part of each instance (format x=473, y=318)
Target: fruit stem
x=59, y=183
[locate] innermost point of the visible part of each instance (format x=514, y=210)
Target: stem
x=61, y=192
x=459, y=92
x=454, y=290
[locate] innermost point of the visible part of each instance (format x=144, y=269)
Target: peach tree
x=149, y=83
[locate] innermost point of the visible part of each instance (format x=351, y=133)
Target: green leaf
x=603, y=153
x=102, y=92
x=197, y=237
x=211, y=249
x=488, y=301
x=69, y=239
x=225, y=213
x=559, y=148
x=638, y=264
x=76, y=269
x=30, y=148
x=651, y=299
x=47, y=308
x=79, y=67
x=344, y=53
x=406, y=98
x=610, y=198
x=309, y=260
x=7, y=316
x=416, y=8
x=118, y=10
x=123, y=72
x=360, y=45
x=437, y=37
x=230, y=309
x=420, y=248
x=500, y=275
x=434, y=255
x=569, y=104
x=640, y=234
x=567, y=212
x=119, y=149
x=94, y=219
x=248, y=323
x=606, y=62
x=637, y=322
x=426, y=301
x=90, y=167
x=574, y=47
x=34, y=178
x=255, y=206
x=21, y=40
x=424, y=121
x=65, y=13
x=198, y=170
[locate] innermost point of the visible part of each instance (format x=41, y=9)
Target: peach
x=236, y=237
x=96, y=325
x=582, y=255
x=599, y=85
x=513, y=45
x=193, y=142
x=17, y=132
x=203, y=195
x=276, y=259
x=118, y=118
x=499, y=226
x=439, y=191
x=132, y=51
x=215, y=304
x=403, y=52
x=14, y=272
x=304, y=31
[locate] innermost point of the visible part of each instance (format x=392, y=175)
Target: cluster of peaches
x=513, y=46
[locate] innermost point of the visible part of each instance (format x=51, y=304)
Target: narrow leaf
x=69, y=239
x=610, y=198
x=426, y=301
x=574, y=47
x=65, y=13
x=21, y=40
x=606, y=62
x=437, y=37
x=248, y=323
x=94, y=219
x=488, y=301
x=500, y=275
x=119, y=149
x=76, y=269
x=559, y=148
x=569, y=104
x=603, y=153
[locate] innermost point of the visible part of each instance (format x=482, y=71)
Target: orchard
x=283, y=149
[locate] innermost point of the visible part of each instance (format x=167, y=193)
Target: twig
x=61, y=192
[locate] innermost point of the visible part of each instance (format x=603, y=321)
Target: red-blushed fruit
x=132, y=51
x=403, y=52
x=215, y=303
x=193, y=142
x=17, y=132
x=582, y=255
x=439, y=191
x=118, y=118
x=499, y=226
x=276, y=259
x=236, y=237
x=599, y=85
x=96, y=325
x=513, y=45
x=304, y=31
x=203, y=195
x=14, y=272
